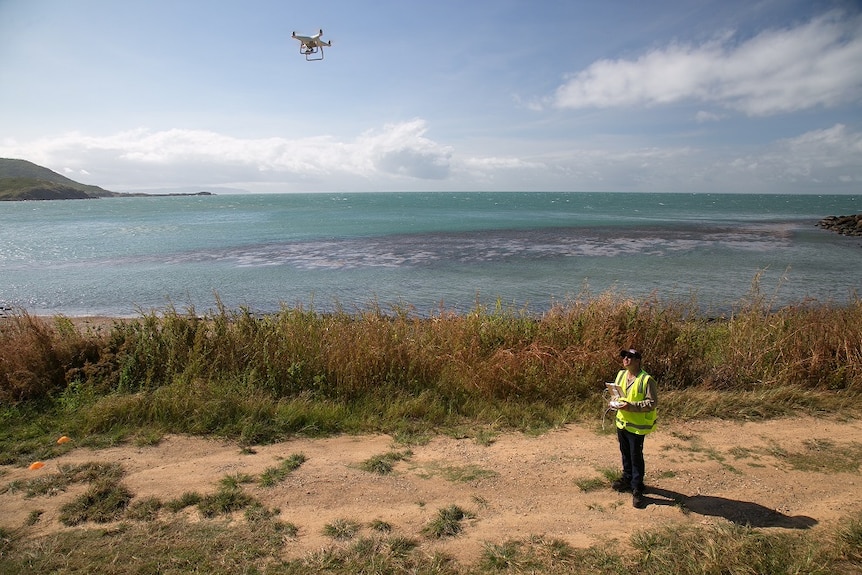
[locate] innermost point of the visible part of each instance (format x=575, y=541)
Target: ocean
x=422, y=251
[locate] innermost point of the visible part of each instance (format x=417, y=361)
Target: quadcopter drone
x=311, y=46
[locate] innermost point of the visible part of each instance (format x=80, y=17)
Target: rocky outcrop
x=844, y=225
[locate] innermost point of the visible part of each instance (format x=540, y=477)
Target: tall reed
x=235, y=371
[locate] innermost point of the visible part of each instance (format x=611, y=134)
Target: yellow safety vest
x=640, y=423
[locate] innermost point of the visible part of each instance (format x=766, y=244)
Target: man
x=636, y=417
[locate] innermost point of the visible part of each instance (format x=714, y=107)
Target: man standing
x=636, y=417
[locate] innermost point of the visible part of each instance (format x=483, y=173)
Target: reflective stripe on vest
x=640, y=423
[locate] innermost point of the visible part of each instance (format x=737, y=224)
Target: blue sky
x=733, y=96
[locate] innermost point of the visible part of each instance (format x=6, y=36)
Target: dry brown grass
x=239, y=374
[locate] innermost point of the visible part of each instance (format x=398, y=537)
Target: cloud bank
x=776, y=71
x=396, y=153
x=402, y=157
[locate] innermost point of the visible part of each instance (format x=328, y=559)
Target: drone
x=311, y=46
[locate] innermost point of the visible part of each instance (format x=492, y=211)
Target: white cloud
x=403, y=149
x=402, y=157
x=72, y=172
x=777, y=71
x=144, y=157
x=831, y=157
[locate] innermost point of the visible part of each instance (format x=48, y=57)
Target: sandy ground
x=516, y=486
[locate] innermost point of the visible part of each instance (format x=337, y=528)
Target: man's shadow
x=738, y=512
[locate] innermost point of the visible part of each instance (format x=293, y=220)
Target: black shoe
x=638, y=499
x=621, y=485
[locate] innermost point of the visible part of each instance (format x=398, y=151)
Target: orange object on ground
x=37, y=465
x=64, y=439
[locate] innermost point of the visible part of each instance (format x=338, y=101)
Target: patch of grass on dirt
x=224, y=501
x=187, y=499
x=274, y=475
x=400, y=546
x=537, y=553
x=825, y=456
x=105, y=500
x=592, y=484
x=381, y=526
x=55, y=483
x=236, y=480
x=258, y=512
x=34, y=516
x=146, y=509
x=447, y=523
x=730, y=549
x=342, y=529
x=385, y=463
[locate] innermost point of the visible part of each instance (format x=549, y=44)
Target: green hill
x=23, y=180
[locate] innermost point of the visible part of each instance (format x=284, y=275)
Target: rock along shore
x=844, y=225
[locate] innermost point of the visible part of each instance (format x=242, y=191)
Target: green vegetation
x=226, y=500
x=299, y=372
x=55, y=483
x=105, y=501
x=342, y=529
x=23, y=180
x=275, y=475
x=447, y=523
x=383, y=464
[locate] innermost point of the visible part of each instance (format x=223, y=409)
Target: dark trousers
x=632, y=450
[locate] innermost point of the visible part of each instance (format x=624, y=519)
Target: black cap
x=633, y=353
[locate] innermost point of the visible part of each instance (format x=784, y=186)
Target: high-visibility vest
x=640, y=423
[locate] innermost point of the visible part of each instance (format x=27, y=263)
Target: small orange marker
x=64, y=439
x=37, y=465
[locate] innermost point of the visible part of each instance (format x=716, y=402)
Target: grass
x=447, y=522
x=298, y=372
x=55, y=483
x=256, y=545
x=274, y=475
x=342, y=529
x=146, y=509
x=685, y=550
x=187, y=499
x=826, y=457
x=225, y=501
x=104, y=501
x=592, y=484
x=385, y=463
x=850, y=540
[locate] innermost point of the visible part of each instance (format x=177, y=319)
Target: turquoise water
x=428, y=250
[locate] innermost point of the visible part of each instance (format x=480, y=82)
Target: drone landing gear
x=309, y=52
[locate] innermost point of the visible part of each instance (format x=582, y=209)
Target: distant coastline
x=165, y=195
x=40, y=194
x=21, y=180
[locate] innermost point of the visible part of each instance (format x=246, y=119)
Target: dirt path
x=517, y=486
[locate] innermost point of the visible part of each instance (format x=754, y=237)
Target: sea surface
x=422, y=251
